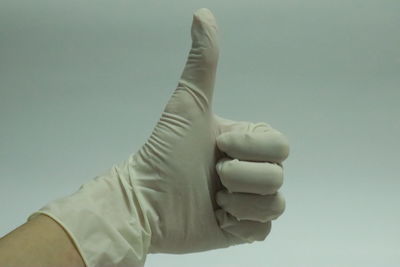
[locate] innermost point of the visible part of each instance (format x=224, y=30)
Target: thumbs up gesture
x=207, y=182
x=199, y=182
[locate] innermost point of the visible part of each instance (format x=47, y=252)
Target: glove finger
x=242, y=231
x=255, y=144
x=227, y=125
x=250, y=177
x=251, y=207
x=196, y=85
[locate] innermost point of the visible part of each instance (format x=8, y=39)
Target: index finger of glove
x=269, y=145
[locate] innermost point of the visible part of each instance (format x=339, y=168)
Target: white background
x=82, y=84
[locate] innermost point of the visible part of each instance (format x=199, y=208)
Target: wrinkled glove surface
x=199, y=182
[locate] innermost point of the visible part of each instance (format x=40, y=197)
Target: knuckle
x=209, y=56
x=277, y=177
x=281, y=145
x=280, y=205
x=266, y=229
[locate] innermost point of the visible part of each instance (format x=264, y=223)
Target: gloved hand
x=200, y=182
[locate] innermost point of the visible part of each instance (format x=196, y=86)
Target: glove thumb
x=196, y=85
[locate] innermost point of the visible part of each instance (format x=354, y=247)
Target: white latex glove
x=200, y=182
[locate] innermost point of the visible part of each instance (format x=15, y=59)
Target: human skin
x=39, y=242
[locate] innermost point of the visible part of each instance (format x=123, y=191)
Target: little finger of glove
x=242, y=231
x=251, y=206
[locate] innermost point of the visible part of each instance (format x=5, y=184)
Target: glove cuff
x=104, y=219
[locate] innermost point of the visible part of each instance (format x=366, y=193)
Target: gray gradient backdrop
x=82, y=84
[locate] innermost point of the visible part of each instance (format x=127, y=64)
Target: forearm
x=39, y=242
